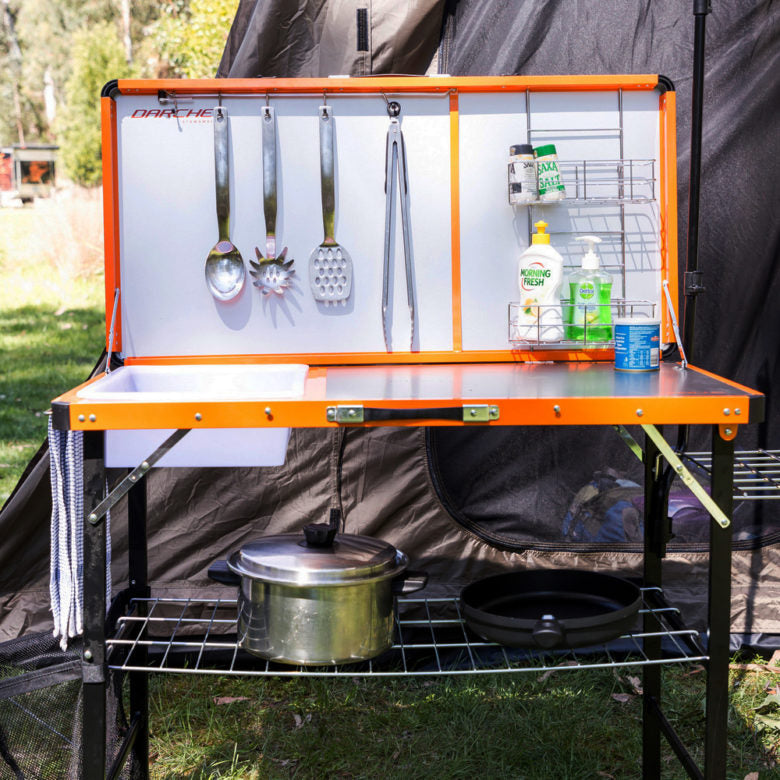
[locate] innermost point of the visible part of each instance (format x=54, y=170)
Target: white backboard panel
x=168, y=225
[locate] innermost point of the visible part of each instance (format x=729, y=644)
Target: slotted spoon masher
x=271, y=274
x=395, y=163
x=330, y=266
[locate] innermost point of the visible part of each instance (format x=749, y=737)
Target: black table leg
x=655, y=519
x=139, y=589
x=719, y=610
x=93, y=723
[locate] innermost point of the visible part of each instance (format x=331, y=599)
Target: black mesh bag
x=40, y=710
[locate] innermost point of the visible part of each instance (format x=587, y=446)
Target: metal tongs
x=395, y=159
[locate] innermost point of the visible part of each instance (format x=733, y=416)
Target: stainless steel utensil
x=395, y=162
x=224, y=266
x=271, y=273
x=330, y=266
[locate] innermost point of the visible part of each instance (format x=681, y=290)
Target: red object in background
x=5, y=171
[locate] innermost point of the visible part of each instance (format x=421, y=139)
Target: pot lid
x=288, y=559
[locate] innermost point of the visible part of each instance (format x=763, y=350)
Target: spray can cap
x=590, y=261
x=540, y=237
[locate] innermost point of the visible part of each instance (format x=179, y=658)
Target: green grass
x=563, y=726
x=531, y=726
x=51, y=334
x=41, y=355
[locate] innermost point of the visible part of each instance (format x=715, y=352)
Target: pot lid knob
x=319, y=534
x=322, y=534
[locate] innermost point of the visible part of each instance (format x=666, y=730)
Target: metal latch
x=693, y=282
x=480, y=413
x=345, y=414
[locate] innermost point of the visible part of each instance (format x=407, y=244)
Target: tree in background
x=191, y=35
x=38, y=60
x=44, y=30
x=98, y=56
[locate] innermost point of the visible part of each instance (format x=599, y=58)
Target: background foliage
x=55, y=55
x=96, y=52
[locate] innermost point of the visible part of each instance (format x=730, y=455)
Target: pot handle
x=219, y=572
x=409, y=582
x=547, y=632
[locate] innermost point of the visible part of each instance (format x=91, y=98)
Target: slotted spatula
x=330, y=266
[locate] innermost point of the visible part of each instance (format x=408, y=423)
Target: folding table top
x=437, y=394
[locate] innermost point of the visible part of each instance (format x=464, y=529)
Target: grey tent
x=465, y=503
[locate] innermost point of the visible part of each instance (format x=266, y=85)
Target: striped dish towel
x=66, y=577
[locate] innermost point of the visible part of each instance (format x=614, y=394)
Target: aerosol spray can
x=522, y=175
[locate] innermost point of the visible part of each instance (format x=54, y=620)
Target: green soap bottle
x=589, y=314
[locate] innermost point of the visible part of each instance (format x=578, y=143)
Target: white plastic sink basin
x=212, y=447
x=199, y=382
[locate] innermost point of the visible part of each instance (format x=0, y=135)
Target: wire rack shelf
x=605, y=182
x=756, y=473
x=544, y=325
x=197, y=636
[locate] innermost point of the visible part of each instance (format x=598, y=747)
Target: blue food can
x=637, y=344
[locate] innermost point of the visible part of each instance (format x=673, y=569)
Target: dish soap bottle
x=589, y=315
x=539, y=279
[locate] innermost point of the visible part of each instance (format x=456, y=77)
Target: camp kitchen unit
x=390, y=196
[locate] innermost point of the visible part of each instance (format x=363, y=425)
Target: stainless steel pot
x=318, y=600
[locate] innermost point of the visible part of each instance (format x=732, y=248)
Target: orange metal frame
x=310, y=411
x=393, y=85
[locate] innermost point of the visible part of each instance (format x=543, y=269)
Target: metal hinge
x=345, y=414
x=478, y=413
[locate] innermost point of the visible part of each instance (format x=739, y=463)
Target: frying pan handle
x=219, y=572
x=548, y=632
x=409, y=582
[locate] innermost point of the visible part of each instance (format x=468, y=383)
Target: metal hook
x=266, y=100
x=324, y=98
x=393, y=108
x=219, y=99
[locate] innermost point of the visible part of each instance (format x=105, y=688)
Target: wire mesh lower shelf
x=193, y=636
x=756, y=473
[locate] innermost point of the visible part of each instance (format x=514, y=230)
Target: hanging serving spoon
x=271, y=274
x=224, y=266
